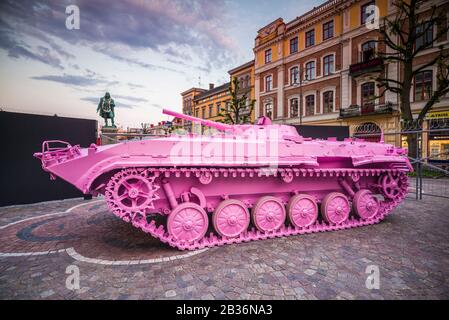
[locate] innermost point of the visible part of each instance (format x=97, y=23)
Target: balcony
x=372, y=65
x=371, y=109
x=244, y=111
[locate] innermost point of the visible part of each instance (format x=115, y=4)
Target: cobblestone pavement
x=410, y=248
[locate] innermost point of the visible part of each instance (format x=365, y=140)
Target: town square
x=224, y=150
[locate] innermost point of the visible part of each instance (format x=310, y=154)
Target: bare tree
x=407, y=35
x=234, y=113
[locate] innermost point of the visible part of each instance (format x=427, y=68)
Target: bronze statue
x=106, y=108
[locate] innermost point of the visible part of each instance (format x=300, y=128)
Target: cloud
x=94, y=100
x=75, y=80
x=131, y=61
x=157, y=25
x=118, y=104
x=135, y=85
x=20, y=49
x=130, y=98
x=43, y=55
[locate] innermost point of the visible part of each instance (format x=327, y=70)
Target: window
x=424, y=34
x=247, y=103
x=241, y=83
x=203, y=113
x=294, y=107
x=268, y=83
x=218, y=107
x=196, y=113
x=366, y=12
x=268, y=56
x=328, y=64
x=211, y=106
x=310, y=38
x=368, y=50
x=269, y=110
x=423, y=85
x=368, y=97
x=310, y=105
x=228, y=106
x=328, y=30
x=328, y=101
x=310, y=70
x=294, y=45
x=294, y=75
x=247, y=80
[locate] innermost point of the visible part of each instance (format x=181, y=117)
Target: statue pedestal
x=109, y=135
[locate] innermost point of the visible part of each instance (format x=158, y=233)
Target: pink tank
x=239, y=183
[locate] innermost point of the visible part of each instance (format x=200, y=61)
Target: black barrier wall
x=323, y=132
x=22, y=178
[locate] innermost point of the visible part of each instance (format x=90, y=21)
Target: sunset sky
x=145, y=53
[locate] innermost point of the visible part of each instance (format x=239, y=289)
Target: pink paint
x=236, y=183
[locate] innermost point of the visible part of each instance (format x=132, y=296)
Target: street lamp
x=301, y=71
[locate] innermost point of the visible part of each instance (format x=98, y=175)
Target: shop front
x=438, y=137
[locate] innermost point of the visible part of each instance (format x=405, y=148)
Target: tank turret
x=247, y=182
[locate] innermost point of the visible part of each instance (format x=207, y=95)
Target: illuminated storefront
x=438, y=138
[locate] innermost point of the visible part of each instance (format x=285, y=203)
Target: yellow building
x=245, y=77
x=205, y=104
x=320, y=69
x=188, y=104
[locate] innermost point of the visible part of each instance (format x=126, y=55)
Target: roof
x=208, y=93
x=241, y=67
x=192, y=89
x=313, y=12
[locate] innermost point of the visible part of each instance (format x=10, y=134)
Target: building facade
x=188, y=103
x=205, y=104
x=245, y=77
x=319, y=69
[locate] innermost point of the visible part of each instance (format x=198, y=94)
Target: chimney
x=211, y=86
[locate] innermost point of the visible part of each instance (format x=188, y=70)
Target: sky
x=144, y=52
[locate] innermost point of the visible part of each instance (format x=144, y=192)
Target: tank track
x=160, y=232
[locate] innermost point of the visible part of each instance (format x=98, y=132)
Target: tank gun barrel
x=213, y=124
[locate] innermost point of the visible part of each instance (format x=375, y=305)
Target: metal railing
x=111, y=138
x=431, y=173
x=355, y=110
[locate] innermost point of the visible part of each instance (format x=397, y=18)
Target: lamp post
x=301, y=71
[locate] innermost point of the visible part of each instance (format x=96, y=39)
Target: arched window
x=423, y=85
x=368, y=50
x=294, y=75
x=268, y=83
x=368, y=131
x=368, y=95
x=310, y=105
x=294, y=107
x=328, y=101
x=310, y=70
x=269, y=110
x=328, y=64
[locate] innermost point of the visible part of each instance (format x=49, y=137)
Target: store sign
x=438, y=115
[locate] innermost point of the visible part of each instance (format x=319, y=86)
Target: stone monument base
x=108, y=135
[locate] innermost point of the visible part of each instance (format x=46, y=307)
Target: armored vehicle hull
x=241, y=184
